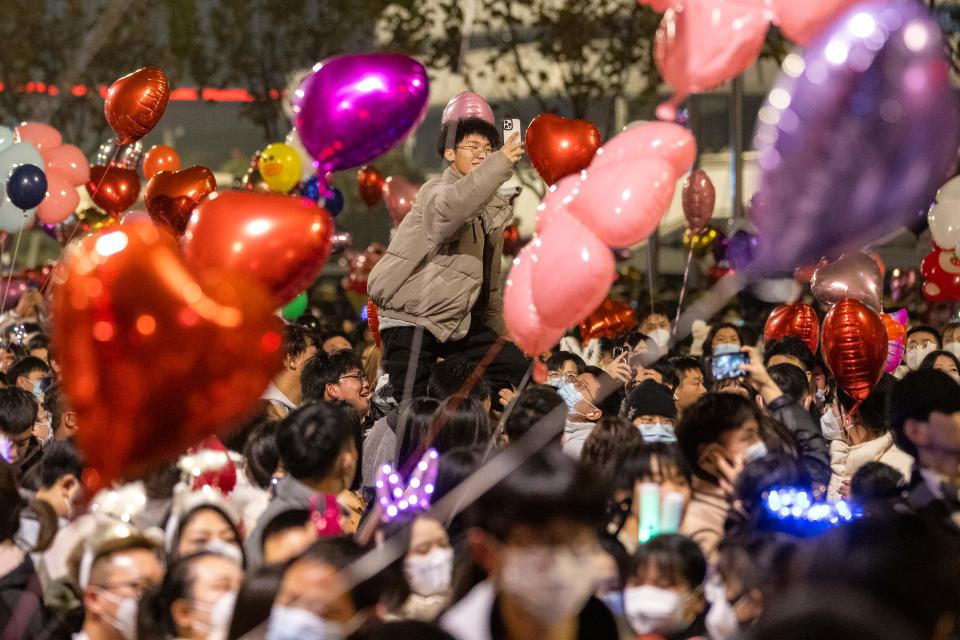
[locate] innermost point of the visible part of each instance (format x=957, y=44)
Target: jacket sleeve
x=450, y=206
x=814, y=451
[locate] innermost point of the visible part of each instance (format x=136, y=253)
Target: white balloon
x=6, y=137
x=12, y=218
x=944, y=216
x=307, y=169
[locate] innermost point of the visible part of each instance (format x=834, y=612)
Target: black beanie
x=915, y=397
x=650, y=398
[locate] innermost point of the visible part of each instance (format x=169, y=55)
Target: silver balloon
x=852, y=275
x=128, y=157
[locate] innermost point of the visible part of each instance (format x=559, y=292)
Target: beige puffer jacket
x=433, y=269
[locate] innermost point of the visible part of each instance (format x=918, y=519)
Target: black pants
x=506, y=369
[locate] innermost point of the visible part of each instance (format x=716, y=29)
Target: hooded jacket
x=432, y=273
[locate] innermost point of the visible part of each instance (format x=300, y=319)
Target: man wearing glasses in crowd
x=438, y=286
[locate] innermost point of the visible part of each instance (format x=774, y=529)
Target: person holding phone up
x=438, y=286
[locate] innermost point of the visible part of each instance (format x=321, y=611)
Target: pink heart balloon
x=804, y=21
x=62, y=199
x=666, y=140
x=703, y=43
x=527, y=329
x=572, y=271
x=623, y=202
x=659, y=5
x=398, y=195
x=557, y=197
x=467, y=104
x=69, y=161
x=42, y=136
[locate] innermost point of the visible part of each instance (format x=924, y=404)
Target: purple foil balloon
x=856, y=137
x=741, y=249
x=353, y=108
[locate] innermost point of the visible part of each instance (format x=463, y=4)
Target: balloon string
x=13, y=261
x=650, y=274
x=76, y=227
x=683, y=290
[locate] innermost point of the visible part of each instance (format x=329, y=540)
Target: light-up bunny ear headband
x=395, y=497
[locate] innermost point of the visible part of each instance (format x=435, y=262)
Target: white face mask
x=721, y=619
x=430, y=574
x=726, y=347
x=294, y=623
x=756, y=451
x=657, y=432
x=650, y=610
x=550, y=583
x=125, y=621
x=830, y=426
x=219, y=615
x=952, y=347
x=916, y=355
x=660, y=336
x=226, y=549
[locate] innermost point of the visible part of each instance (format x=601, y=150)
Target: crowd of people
x=444, y=486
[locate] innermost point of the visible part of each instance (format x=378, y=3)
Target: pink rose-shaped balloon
x=557, y=197
x=665, y=140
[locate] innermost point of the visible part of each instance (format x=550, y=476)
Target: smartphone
x=729, y=365
x=619, y=351
x=509, y=127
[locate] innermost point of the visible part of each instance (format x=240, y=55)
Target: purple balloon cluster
x=856, y=137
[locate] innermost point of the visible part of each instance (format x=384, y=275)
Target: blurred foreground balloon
x=520, y=313
x=852, y=275
x=295, y=308
x=854, y=347
x=467, y=104
x=559, y=147
x=160, y=158
x=398, y=195
x=804, y=21
x=611, y=319
x=370, y=184
x=354, y=108
x=171, y=196
x=741, y=249
x=194, y=354
x=665, y=140
x=333, y=202
x=280, y=241
x=798, y=320
x=136, y=102
x=876, y=82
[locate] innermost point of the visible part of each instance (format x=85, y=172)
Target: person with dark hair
x=337, y=376
x=63, y=420
x=562, y=364
x=319, y=455
x=924, y=415
x=287, y=535
x=876, y=482
x=690, y=379
x=254, y=601
x=403, y=630
x=724, y=337
x=652, y=410
x=260, y=455
x=922, y=340
x=792, y=381
x=39, y=347
x=284, y=393
x=660, y=371
x=334, y=340
x=438, y=286
x=458, y=422
x=608, y=441
x=455, y=466
x=596, y=393
x=195, y=601
x=28, y=374
x=207, y=527
x=59, y=486
x=22, y=614
x=656, y=325
x=314, y=600
x=753, y=484
x=950, y=335
x=535, y=403
x=456, y=376
x=942, y=361
x=718, y=435
x=534, y=534
x=789, y=350
x=18, y=414
x=864, y=437
x=414, y=425
x=664, y=590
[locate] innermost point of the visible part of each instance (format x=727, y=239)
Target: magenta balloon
x=856, y=137
x=353, y=108
x=467, y=104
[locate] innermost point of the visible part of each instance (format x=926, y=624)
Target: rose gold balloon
x=113, y=189
x=853, y=275
x=559, y=146
x=609, y=321
x=370, y=185
x=171, y=196
x=398, y=195
x=798, y=320
x=136, y=102
x=281, y=241
x=155, y=358
x=699, y=199
x=854, y=347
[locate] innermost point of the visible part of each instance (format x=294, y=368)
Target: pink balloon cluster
x=564, y=273
x=65, y=166
x=703, y=43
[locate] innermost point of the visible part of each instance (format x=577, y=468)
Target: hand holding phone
x=512, y=142
x=729, y=365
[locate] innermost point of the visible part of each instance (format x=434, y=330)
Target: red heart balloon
x=113, y=189
x=171, y=196
x=136, y=102
x=281, y=241
x=854, y=347
x=559, y=146
x=370, y=184
x=610, y=320
x=798, y=320
x=155, y=358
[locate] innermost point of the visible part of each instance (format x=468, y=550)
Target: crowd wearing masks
x=434, y=482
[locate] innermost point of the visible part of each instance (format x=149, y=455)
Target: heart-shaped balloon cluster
x=113, y=189
x=156, y=355
x=854, y=347
x=171, y=196
x=798, y=319
x=564, y=273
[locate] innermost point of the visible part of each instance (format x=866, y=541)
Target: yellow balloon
x=279, y=166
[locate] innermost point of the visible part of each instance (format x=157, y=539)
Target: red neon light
x=181, y=94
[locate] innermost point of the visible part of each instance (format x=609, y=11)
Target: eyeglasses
x=476, y=149
x=356, y=374
x=569, y=378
